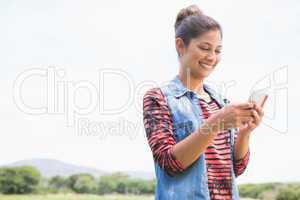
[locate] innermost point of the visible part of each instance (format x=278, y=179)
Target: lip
x=206, y=66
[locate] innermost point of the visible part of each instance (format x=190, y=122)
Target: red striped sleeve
x=159, y=131
x=241, y=164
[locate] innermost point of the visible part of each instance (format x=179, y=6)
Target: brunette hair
x=191, y=22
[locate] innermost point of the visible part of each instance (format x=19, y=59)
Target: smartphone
x=259, y=96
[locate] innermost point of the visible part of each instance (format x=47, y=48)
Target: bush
x=288, y=194
x=255, y=190
x=122, y=184
x=106, y=185
x=76, y=183
x=19, y=180
x=137, y=186
x=22, y=180
x=58, y=184
x=85, y=184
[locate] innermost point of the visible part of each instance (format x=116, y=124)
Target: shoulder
x=154, y=97
x=154, y=94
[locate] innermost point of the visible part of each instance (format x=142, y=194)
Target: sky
x=73, y=75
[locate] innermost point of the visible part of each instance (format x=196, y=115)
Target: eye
x=204, y=48
x=218, y=51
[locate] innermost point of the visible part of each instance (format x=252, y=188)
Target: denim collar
x=179, y=90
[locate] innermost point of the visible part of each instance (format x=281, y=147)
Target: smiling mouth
x=206, y=66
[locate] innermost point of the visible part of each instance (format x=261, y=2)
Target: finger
x=246, y=119
x=245, y=113
x=246, y=105
x=256, y=117
x=259, y=110
x=252, y=126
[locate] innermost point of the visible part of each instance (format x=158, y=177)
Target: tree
x=85, y=184
x=106, y=185
x=58, y=183
x=19, y=180
x=121, y=183
x=76, y=181
x=288, y=194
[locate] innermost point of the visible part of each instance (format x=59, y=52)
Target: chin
x=203, y=74
x=200, y=74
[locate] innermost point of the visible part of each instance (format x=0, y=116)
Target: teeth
x=206, y=66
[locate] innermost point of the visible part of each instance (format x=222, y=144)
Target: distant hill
x=52, y=167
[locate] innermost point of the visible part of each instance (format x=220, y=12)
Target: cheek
x=198, y=55
x=218, y=59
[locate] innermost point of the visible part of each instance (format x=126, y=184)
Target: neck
x=191, y=83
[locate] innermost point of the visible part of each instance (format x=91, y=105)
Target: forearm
x=189, y=149
x=241, y=146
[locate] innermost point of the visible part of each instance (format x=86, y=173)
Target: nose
x=211, y=57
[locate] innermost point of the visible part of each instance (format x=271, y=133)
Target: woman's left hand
x=258, y=114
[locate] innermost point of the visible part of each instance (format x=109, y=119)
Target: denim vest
x=187, y=117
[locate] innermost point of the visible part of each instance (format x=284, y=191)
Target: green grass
x=78, y=197
x=74, y=197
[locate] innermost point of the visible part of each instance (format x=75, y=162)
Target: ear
x=180, y=46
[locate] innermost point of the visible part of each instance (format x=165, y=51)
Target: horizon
x=111, y=172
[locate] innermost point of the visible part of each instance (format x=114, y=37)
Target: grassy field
x=76, y=197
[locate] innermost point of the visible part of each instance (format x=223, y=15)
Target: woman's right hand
x=230, y=116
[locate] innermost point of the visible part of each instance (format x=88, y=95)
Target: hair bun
x=192, y=10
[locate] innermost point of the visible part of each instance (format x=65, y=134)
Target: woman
x=199, y=145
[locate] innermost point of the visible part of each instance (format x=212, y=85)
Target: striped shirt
x=159, y=131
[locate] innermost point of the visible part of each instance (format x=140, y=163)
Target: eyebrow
x=211, y=45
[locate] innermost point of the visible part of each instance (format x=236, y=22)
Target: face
x=202, y=54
